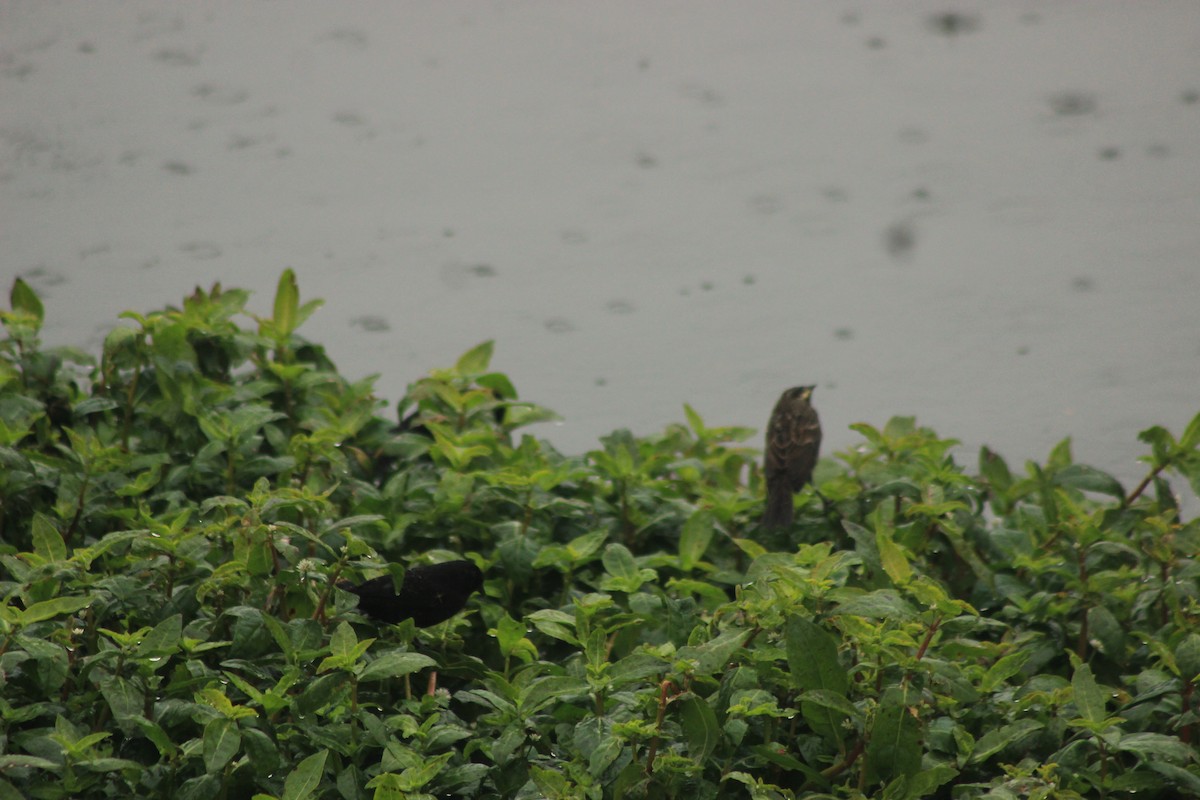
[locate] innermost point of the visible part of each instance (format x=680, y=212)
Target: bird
x=431, y=593
x=793, y=440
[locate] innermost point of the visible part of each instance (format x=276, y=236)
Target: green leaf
x=1106, y=632
x=163, y=639
x=1191, y=470
x=549, y=689
x=522, y=414
x=637, y=667
x=159, y=737
x=601, y=757
x=307, y=310
x=694, y=420
x=584, y=547
x=1003, y=669
x=260, y=751
x=509, y=634
x=93, y=405
x=251, y=417
x=215, y=697
x=552, y=784
x=895, y=745
x=711, y=594
x=868, y=432
x=699, y=724
x=49, y=609
x=824, y=699
x=317, y=694
x=376, y=521
x=477, y=359
x=995, y=470
x=1187, y=656
x=891, y=555
x=1179, y=777
x=1191, y=435
x=143, y=483
x=1162, y=444
x=345, y=649
x=459, y=457
x=813, y=662
x=865, y=546
x=557, y=624
x=1060, y=456
x=395, y=665
x=119, y=337
x=108, y=764
x=997, y=739
x=899, y=427
x=812, y=657
x=305, y=778
x=714, y=655
x=751, y=548
x=1155, y=747
x=1089, y=700
x=78, y=746
x=923, y=783
x=9, y=761
x=343, y=641
x=415, y=778
x=25, y=299
x=123, y=698
x=287, y=304
x=1089, y=479
x=221, y=743
x=625, y=574
x=780, y=758
x=879, y=604
x=47, y=541
x=694, y=538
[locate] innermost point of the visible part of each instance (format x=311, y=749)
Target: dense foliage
x=174, y=517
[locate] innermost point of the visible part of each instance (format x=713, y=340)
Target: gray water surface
x=986, y=215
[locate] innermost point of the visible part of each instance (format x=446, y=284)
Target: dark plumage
x=431, y=593
x=793, y=440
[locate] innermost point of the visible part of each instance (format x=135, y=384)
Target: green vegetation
x=174, y=517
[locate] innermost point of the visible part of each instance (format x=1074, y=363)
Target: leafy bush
x=175, y=516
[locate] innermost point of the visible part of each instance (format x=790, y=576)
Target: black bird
x=431, y=593
x=793, y=440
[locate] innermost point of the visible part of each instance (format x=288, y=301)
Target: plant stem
x=323, y=600
x=844, y=764
x=1188, y=692
x=230, y=484
x=87, y=475
x=1141, y=487
x=933, y=627
x=1082, y=645
x=652, y=751
x=127, y=412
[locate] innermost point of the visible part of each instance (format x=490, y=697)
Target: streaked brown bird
x=431, y=593
x=793, y=441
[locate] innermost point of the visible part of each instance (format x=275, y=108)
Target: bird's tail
x=779, y=510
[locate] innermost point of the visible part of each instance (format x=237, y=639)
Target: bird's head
x=801, y=393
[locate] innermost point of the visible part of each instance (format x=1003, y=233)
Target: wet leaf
x=1089, y=700
x=24, y=299
x=699, y=724
x=302, y=782
x=694, y=539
